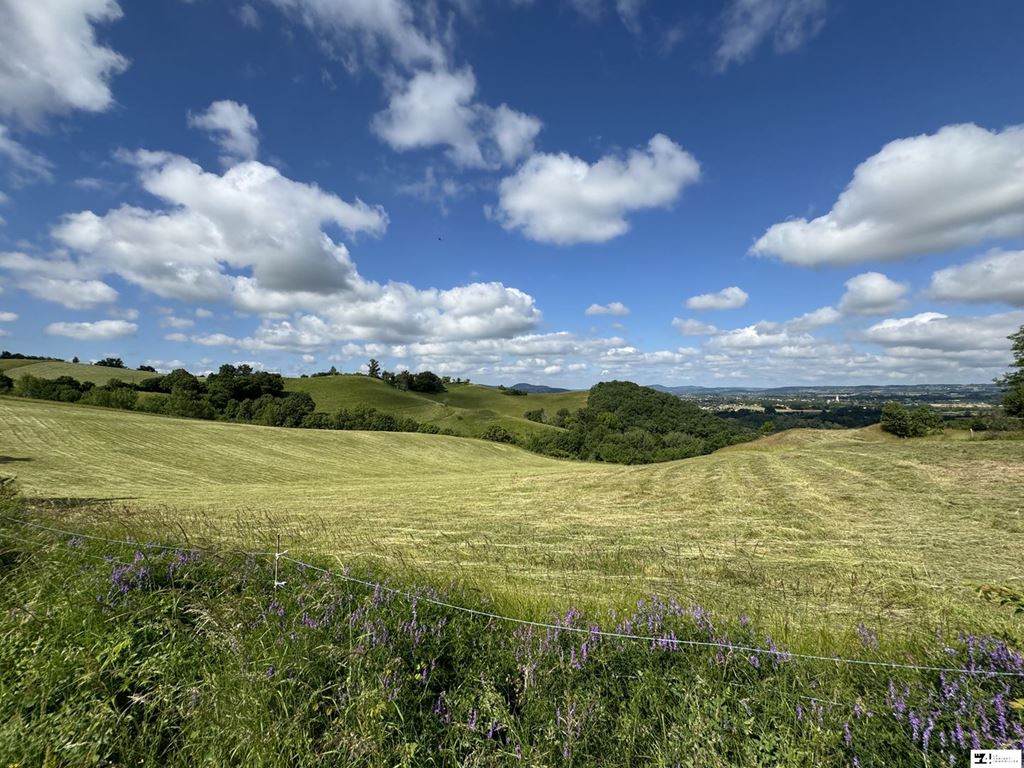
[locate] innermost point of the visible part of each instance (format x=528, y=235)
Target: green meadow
x=51, y=369
x=807, y=532
x=465, y=409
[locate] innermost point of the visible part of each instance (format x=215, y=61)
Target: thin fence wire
x=591, y=632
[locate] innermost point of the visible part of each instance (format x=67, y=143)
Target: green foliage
x=624, y=423
x=1013, y=381
x=6, y=355
x=498, y=434
x=1013, y=401
x=512, y=392
x=182, y=381
x=427, y=382
x=110, y=362
x=536, y=415
x=901, y=421
x=241, y=383
x=62, y=389
x=6, y=384
x=373, y=368
x=114, y=394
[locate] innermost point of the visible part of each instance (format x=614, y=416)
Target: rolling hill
x=807, y=531
x=466, y=409
x=51, y=369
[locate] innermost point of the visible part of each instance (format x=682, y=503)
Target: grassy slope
x=466, y=409
x=807, y=531
x=48, y=369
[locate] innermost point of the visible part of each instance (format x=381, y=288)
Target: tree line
x=235, y=393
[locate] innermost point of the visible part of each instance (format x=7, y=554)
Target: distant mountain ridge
x=538, y=388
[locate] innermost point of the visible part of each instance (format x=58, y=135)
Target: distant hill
x=50, y=369
x=538, y=388
x=465, y=409
x=874, y=391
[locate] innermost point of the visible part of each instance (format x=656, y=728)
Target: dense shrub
x=498, y=434
x=110, y=362
x=62, y=389
x=901, y=421
x=6, y=384
x=114, y=394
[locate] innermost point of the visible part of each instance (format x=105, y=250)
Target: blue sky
x=754, y=192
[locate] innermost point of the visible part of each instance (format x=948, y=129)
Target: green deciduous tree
x=1013, y=398
x=901, y=421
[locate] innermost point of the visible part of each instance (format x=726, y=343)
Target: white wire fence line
x=591, y=632
x=815, y=605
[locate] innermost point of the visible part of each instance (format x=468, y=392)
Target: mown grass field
x=466, y=409
x=50, y=369
x=807, y=532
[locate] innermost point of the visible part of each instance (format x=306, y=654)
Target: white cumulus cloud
x=732, y=297
x=759, y=336
x=256, y=240
x=815, y=319
x=438, y=108
x=99, y=330
x=233, y=128
x=563, y=199
x=997, y=276
x=50, y=60
x=690, y=327
x=872, y=293
x=251, y=217
x=957, y=187
x=936, y=331
x=615, y=308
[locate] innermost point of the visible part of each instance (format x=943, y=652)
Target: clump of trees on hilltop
x=625, y=423
x=424, y=381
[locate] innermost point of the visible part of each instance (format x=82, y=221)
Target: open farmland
x=810, y=532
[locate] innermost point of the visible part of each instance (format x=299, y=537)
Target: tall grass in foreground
x=115, y=655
